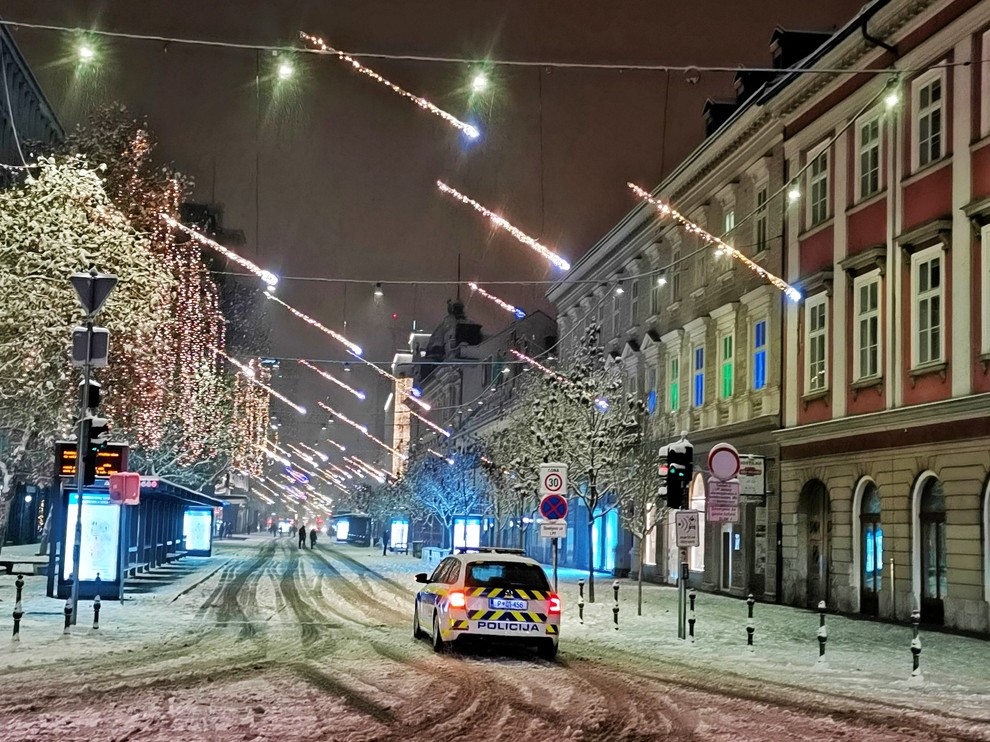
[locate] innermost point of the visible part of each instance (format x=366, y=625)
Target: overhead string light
x=273, y=455
x=441, y=456
x=321, y=45
x=394, y=379
x=334, y=443
x=353, y=348
x=502, y=223
x=361, y=428
x=429, y=423
x=267, y=276
x=250, y=375
x=381, y=473
x=360, y=395
x=666, y=210
x=537, y=365
x=321, y=456
x=504, y=304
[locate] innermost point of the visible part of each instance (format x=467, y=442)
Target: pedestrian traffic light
x=95, y=432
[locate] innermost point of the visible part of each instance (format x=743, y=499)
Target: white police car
x=495, y=595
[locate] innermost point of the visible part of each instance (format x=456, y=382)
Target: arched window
x=871, y=544
x=934, y=575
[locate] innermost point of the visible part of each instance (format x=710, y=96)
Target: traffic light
x=663, y=468
x=95, y=432
x=680, y=470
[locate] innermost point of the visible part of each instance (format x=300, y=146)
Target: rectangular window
x=818, y=188
x=869, y=157
x=726, y=387
x=651, y=389
x=699, y=376
x=762, y=219
x=634, y=303
x=866, y=310
x=928, y=119
x=655, y=296
x=673, y=383
x=601, y=319
x=728, y=225
x=616, y=314
x=816, y=317
x=675, y=276
x=927, y=285
x=760, y=354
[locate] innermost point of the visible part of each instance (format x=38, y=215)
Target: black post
x=96, y=612
x=916, y=647
x=18, y=610
x=615, y=607
x=691, y=596
x=750, y=626
x=68, y=616
x=581, y=600
x=822, y=631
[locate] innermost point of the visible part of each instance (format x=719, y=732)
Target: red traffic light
x=664, y=470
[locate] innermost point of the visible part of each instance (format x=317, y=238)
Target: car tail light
x=457, y=600
x=554, y=604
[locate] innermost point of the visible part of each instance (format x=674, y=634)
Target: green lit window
x=674, y=396
x=726, y=361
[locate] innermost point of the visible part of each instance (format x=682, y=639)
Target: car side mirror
x=422, y=577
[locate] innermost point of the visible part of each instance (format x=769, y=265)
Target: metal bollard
x=18, y=610
x=822, y=632
x=691, y=596
x=750, y=626
x=68, y=615
x=581, y=600
x=615, y=606
x=96, y=612
x=916, y=675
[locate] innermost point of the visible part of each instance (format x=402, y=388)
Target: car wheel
x=547, y=650
x=417, y=631
x=438, y=644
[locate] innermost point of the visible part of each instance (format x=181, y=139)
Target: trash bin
x=417, y=549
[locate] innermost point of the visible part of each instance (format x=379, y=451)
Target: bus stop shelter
x=118, y=541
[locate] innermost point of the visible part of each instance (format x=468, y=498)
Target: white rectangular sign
x=553, y=529
x=752, y=475
x=553, y=479
x=722, y=500
x=686, y=526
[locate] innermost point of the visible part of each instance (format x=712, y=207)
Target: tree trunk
x=591, y=558
x=639, y=578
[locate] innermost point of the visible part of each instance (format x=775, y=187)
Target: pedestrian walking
x=302, y=537
x=274, y=529
x=385, y=536
x=292, y=531
x=312, y=537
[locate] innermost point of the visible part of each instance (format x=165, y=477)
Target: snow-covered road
x=267, y=642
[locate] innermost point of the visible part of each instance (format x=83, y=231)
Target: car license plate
x=507, y=604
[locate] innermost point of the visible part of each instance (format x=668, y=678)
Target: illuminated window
x=673, y=383
x=699, y=375
x=816, y=343
x=759, y=354
x=726, y=364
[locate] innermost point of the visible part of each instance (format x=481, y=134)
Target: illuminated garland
x=334, y=443
x=249, y=374
x=363, y=430
x=440, y=456
x=322, y=456
x=536, y=364
x=269, y=278
x=504, y=304
x=468, y=129
x=500, y=222
x=250, y=421
x=335, y=380
x=666, y=210
x=430, y=423
x=394, y=379
x=352, y=348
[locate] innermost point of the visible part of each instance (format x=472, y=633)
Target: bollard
x=750, y=626
x=96, y=612
x=581, y=600
x=691, y=596
x=68, y=615
x=822, y=632
x=615, y=607
x=18, y=611
x=916, y=675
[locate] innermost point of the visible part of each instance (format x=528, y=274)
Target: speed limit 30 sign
x=553, y=479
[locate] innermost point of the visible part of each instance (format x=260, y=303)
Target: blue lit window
x=760, y=354
x=699, y=376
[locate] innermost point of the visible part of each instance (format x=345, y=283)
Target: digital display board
x=111, y=460
x=99, y=547
x=197, y=527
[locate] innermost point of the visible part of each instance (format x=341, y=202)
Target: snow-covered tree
x=57, y=222
x=581, y=416
x=510, y=466
x=446, y=488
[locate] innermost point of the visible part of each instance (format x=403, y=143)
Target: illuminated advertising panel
x=99, y=547
x=197, y=527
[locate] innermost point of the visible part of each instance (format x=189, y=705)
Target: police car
x=495, y=595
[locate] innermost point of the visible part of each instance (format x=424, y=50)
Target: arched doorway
x=871, y=549
x=930, y=548
x=814, y=513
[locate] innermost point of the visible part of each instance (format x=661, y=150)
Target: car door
x=428, y=596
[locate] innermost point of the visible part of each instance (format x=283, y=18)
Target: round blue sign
x=553, y=507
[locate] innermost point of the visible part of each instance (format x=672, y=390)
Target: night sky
x=333, y=176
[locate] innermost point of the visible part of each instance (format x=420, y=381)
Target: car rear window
x=506, y=574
